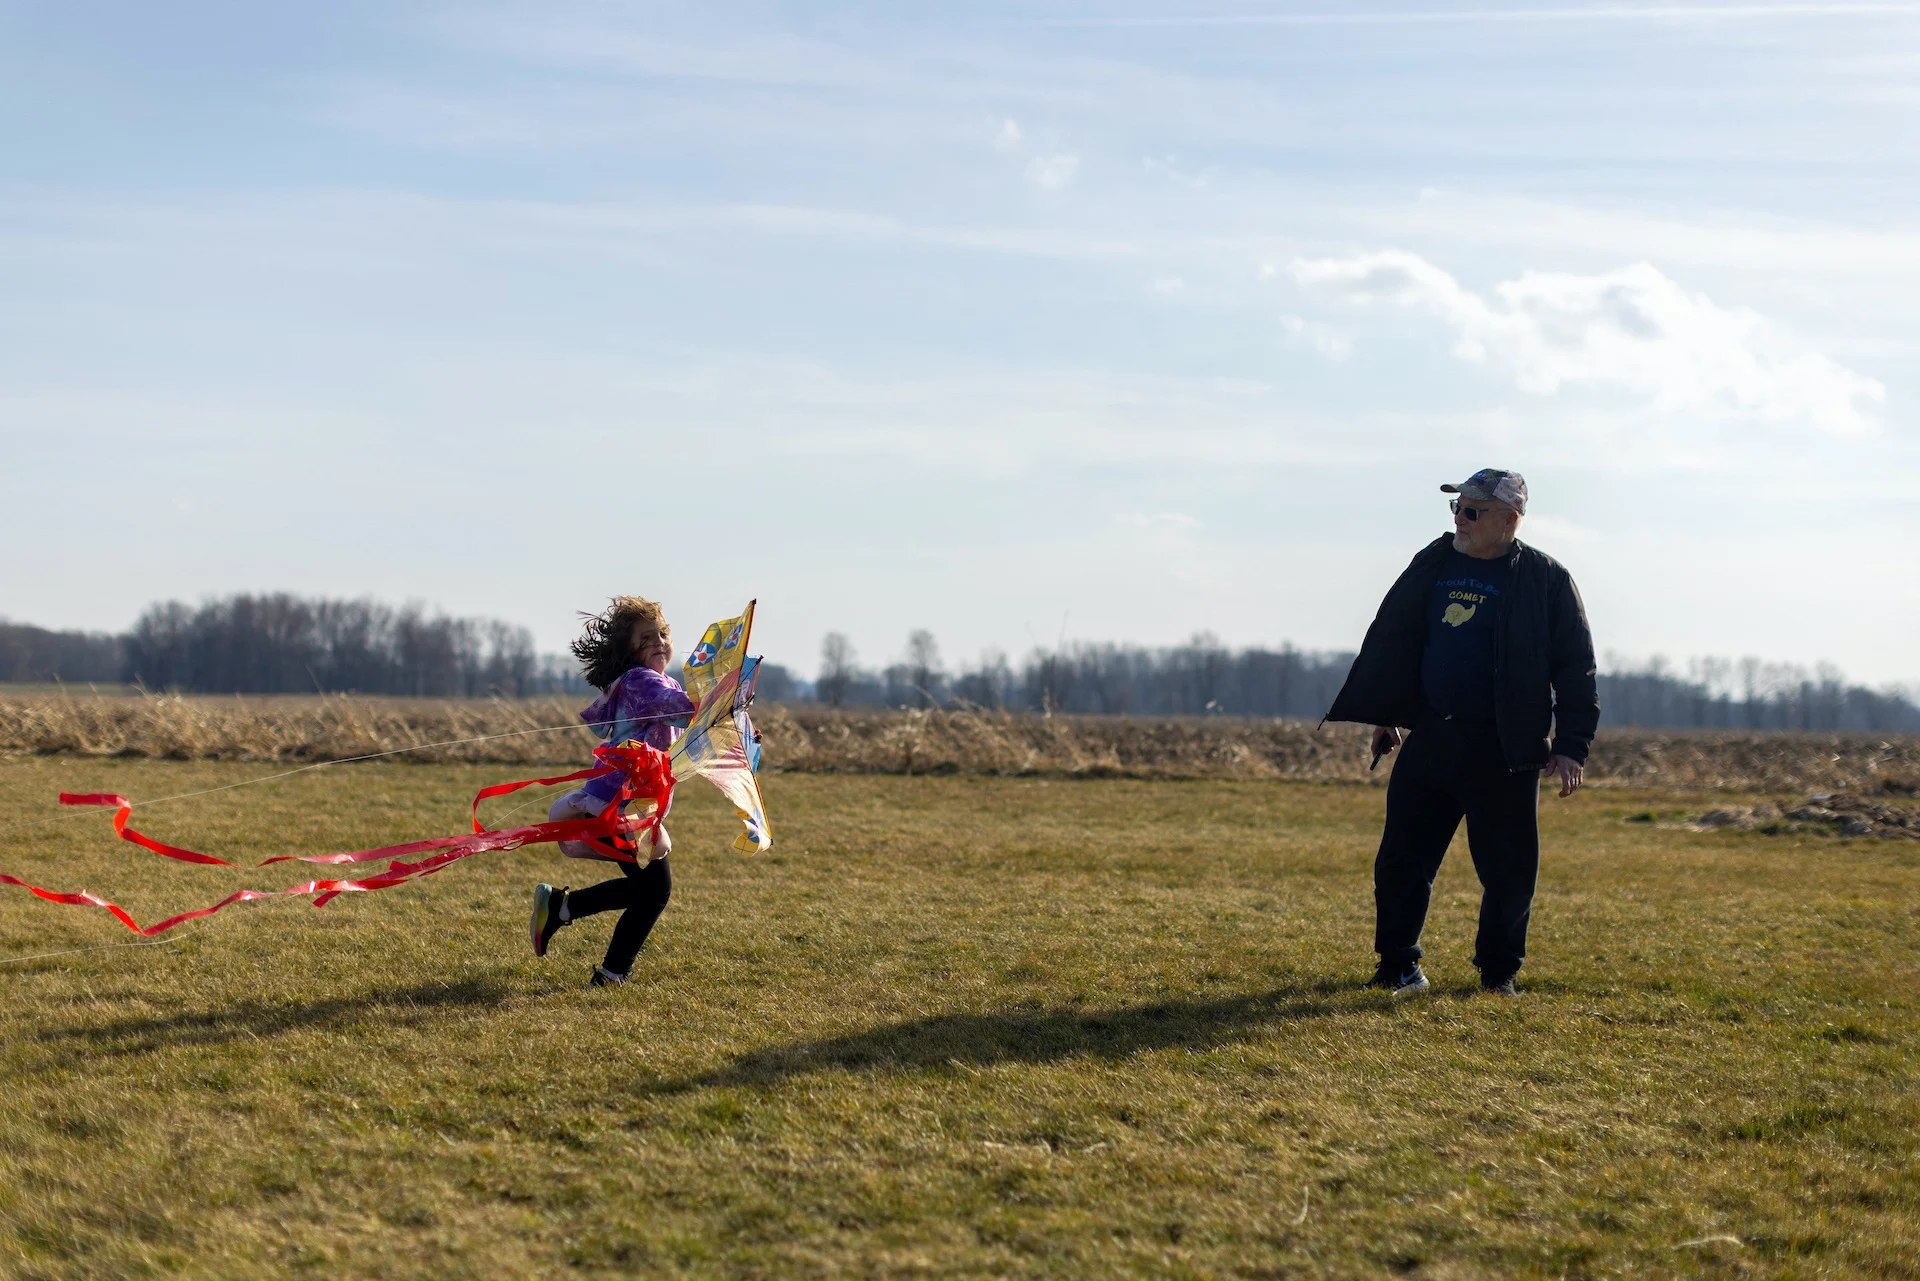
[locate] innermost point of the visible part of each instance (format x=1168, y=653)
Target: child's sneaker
x=604, y=977
x=546, y=922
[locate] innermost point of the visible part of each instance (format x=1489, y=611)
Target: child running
x=623, y=652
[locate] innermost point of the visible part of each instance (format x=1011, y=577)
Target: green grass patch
x=951, y=1026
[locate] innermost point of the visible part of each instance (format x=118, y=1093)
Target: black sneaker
x=1498, y=986
x=546, y=916
x=604, y=977
x=1400, y=980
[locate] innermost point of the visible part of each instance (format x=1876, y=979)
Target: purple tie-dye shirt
x=635, y=706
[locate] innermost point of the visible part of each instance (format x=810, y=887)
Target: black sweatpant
x=1449, y=769
x=640, y=896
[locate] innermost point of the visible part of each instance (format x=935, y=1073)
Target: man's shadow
x=971, y=1042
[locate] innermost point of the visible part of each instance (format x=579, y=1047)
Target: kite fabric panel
x=721, y=744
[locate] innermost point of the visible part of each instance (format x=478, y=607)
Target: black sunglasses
x=1471, y=513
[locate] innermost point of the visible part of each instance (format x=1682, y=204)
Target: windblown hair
x=605, y=647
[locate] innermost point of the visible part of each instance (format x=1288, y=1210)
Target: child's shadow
x=402, y=1007
x=970, y=1042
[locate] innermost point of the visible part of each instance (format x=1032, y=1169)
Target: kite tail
x=645, y=776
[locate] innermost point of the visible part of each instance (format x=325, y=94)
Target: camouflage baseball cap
x=1508, y=487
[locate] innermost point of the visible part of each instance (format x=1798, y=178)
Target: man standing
x=1482, y=649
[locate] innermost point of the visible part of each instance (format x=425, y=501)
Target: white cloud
x=1741, y=240
x=1314, y=336
x=1158, y=522
x=1009, y=136
x=1633, y=329
x=1558, y=529
x=1165, y=543
x=1053, y=172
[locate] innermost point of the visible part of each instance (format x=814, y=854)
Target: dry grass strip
x=816, y=740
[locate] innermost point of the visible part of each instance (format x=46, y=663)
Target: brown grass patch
x=293, y=729
x=816, y=740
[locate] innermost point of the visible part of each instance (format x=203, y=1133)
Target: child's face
x=652, y=644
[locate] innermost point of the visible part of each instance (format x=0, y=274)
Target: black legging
x=1448, y=770
x=642, y=892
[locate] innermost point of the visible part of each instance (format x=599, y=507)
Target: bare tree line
x=283, y=644
x=36, y=654
x=1201, y=677
x=1748, y=693
x=1204, y=677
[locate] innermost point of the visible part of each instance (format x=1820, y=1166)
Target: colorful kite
x=720, y=744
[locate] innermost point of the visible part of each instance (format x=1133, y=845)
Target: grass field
x=953, y=1027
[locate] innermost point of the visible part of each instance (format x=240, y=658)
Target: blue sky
x=1103, y=322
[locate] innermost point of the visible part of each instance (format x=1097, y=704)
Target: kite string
x=106, y=947
x=370, y=756
x=97, y=947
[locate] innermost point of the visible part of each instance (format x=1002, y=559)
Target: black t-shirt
x=1463, y=615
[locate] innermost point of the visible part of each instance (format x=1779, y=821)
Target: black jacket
x=1543, y=667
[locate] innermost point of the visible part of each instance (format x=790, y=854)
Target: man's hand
x=1385, y=739
x=1571, y=773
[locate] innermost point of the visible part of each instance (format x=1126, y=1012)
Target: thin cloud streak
x=1743, y=240
x=1611, y=13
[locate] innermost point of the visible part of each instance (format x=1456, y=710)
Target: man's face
x=1482, y=526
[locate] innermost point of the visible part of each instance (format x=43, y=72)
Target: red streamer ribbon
x=644, y=772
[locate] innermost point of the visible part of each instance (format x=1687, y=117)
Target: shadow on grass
x=394, y=1007
x=973, y=1041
